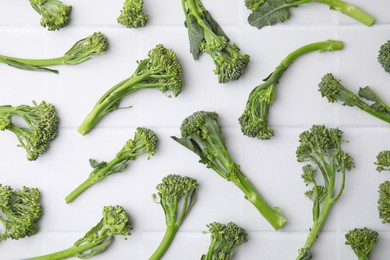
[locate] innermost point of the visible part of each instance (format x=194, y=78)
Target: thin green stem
x=36, y=62
x=363, y=106
x=165, y=243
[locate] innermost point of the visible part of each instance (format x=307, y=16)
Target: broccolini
x=362, y=241
x=383, y=161
x=132, y=15
x=202, y=134
x=384, y=56
x=55, y=14
x=384, y=202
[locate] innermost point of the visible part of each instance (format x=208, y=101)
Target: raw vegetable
x=132, y=14
x=362, y=241
x=55, y=14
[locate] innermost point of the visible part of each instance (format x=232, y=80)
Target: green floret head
x=132, y=15
x=213, y=42
x=116, y=221
x=253, y=4
x=333, y=90
x=84, y=49
x=254, y=119
x=147, y=138
x=383, y=161
x=224, y=238
x=5, y=121
x=362, y=241
x=320, y=139
x=384, y=202
x=55, y=15
x=230, y=64
x=384, y=56
x=194, y=125
x=174, y=187
x=21, y=211
x=166, y=69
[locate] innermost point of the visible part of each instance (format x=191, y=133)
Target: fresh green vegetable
x=132, y=15
x=144, y=142
x=55, y=15
x=161, y=70
x=384, y=202
x=384, y=56
x=205, y=35
x=202, y=134
x=115, y=222
x=224, y=238
x=270, y=12
x=253, y=4
x=254, y=119
x=321, y=148
x=383, y=161
x=333, y=90
x=81, y=51
x=42, y=126
x=176, y=197
x=20, y=212
x=362, y=241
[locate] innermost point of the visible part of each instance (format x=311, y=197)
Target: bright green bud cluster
x=362, y=241
x=116, y=221
x=332, y=89
x=383, y=161
x=132, y=15
x=253, y=4
x=174, y=187
x=213, y=43
x=55, y=15
x=5, y=121
x=194, y=124
x=384, y=202
x=384, y=56
x=84, y=49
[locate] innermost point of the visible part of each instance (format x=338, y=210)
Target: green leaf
x=379, y=105
x=96, y=165
x=190, y=144
x=213, y=24
x=96, y=250
x=120, y=167
x=20, y=65
x=195, y=35
x=270, y=13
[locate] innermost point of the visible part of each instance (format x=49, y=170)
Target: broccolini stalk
x=254, y=119
x=177, y=197
x=55, y=15
x=115, y=222
x=205, y=35
x=202, y=134
x=270, y=12
x=383, y=161
x=81, y=51
x=42, y=126
x=144, y=142
x=20, y=212
x=384, y=202
x=132, y=15
x=362, y=241
x=321, y=148
x=161, y=70
x=333, y=90
x=384, y=56
x=224, y=238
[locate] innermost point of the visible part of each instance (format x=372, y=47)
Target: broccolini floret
x=333, y=90
x=81, y=51
x=20, y=212
x=132, y=14
x=42, y=126
x=177, y=197
x=224, y=238
x=270, y=12
x=384, y=202
x=384, y=56
x=254, y=119
x=362, y=241
x=161, y=70
x=144, y=142
x=321, y=148
x=205, y=35
x=202, y=134
x=383, y=161
x=115, y=222
x=55, y=14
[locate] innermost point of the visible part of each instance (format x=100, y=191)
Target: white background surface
x=271, y=165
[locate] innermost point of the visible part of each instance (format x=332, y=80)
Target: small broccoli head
x=224, y=238
x=21, y=212
x=116, y=221
x=144, y=141
x=253, y=4
x=384, y=56
x=333, y=90
x=362, y=241
x=55, y=15
x=254, y=120
x=384, y=202
x=230, y=64
x=213, y=42
x=132, y=15
x=383, y=161
x=5, y=121
x=324, y=141
x=194, y=125
x=165, y=70
x=84, y=49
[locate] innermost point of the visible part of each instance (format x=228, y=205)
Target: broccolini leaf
x=378, y=104
x=95, y=164
x=96, y=250
x=190, y=144
x=196, y=36
x=22, y=66
x=215, y=27
x=270, y=13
